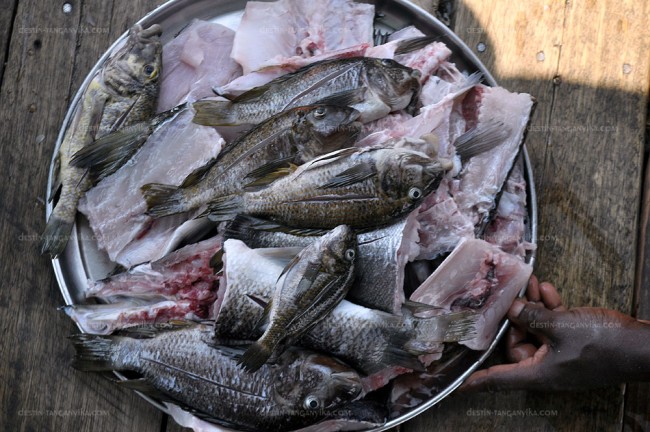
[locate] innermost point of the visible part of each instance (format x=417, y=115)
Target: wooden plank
x=6, y=21
x=586, y=152
x=45, y=393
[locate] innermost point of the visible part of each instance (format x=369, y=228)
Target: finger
x=515, y=336
x=524, y=375
x=550, y=297
x=521, y=352
x=532, y=292
x=533, y=318
x=517, y=346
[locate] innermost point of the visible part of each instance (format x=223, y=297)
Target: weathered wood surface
x=49, y=54
x=585, y=62
x=587, y=65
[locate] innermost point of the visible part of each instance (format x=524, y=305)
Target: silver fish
x=309, y=287
x=181, y=366
x=123, y=92
x=362, y=188
x=367, y=339
x=375, y=87
x=380, y=251
x=291, y=137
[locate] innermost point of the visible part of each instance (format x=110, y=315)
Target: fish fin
x=270, y=167
x=143, y=385
x=413, y=44
x=282, y=256
x=198, y=174
x=271, y=177
x=308, y=277
x=149, y=331
x=263, y=319
x=56, y=178
x=260, y=301
x=107, y=154
x=242, y=226
x=414, y=307
x=93, y=353
x=480, y=139
x=214, y=113
x=255, y=357
x=163, y=200
x=255, y=93
x=55, y=236
x=216, y=262
x=332, y=157
x=224, y=208
x=394, y=356
x=451, y=327
x=344, y=98
x=350, y=176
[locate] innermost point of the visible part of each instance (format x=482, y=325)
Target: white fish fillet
x=508, y=228
x=484, y=175
x=478, y=276
x=273, y=33
x=128, y=312
x=194, y=62
x=183, y=274
x=115, y=207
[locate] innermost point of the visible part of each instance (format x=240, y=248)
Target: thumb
x=520, y=376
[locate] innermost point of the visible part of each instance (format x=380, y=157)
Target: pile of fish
x=306, y=227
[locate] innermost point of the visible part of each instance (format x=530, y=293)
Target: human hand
x=553, y=348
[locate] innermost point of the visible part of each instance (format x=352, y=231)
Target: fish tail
x=56, y=236
x=163, y=200
x=452, y=327
x=255, y=356
x=224, y=209
x=93, y=353
x=214, y=113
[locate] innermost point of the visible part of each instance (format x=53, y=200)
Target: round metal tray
x=81, y=259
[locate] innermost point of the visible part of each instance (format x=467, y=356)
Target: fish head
x=408, y=176
x=397, y=85
x=137, y=64
x=338, y=250
x=316, y=383
x=323, y=129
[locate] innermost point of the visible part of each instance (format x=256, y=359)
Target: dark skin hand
x=553, y=348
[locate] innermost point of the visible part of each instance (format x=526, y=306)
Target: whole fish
x=291, y=137
x=123, y=92
x=308, y=288
x=367, y=339
x=375, y=87
x=180, y=365
x=381, y=251
x=362, y=188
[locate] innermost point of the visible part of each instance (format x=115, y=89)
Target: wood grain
x=586, y=144
x=41, y=391
x=6, y=21
x=588, y=182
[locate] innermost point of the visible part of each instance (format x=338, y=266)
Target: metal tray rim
x=160, y=11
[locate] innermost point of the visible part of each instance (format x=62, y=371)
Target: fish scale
x=376, y=194
x=177, y=363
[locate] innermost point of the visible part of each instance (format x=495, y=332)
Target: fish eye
x=319, y=113
x=415, y=193
x=350, y=254
x=387, y=62
x=312, y=402
x=149, y=69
